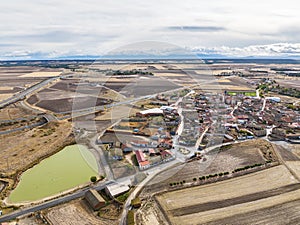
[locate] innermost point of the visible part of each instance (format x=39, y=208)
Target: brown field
x=32, y=145
x=77, y=212
x=33, y=99
x=9, y=90
x=291, y=82
x=64, y=97
x=69, y=104
x=118, y=112
x=42, y=74
x=287, y=155
x=235, y=196
x=142, y=87
x=13, y=112
x=5, y=96
x=11, y=80
x=170, y=75
x=285, y=213
x=294, y=166
x=226, y=160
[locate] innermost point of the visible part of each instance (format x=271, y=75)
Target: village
x=181, y=128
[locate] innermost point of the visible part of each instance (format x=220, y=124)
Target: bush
x=123, y=197
x=93, y=179
x=130, y=217
x=194, y=179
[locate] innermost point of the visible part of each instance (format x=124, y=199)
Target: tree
x=93, y=179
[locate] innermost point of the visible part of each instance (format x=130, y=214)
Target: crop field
x=142, y=87
x=203, y=204
x=216, y=161
x=64, y=96
x=285, y=213
x=286, y=154
x=42, y=74
x=69, y=104
x=289, y=82
x=250, y=94
x=11, y=80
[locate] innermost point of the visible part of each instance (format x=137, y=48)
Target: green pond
x=67, y=169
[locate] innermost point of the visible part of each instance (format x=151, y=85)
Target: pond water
x=67, y=169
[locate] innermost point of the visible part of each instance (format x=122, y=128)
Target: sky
x=57, y=28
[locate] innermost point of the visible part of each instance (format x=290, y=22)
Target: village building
x=94, y=199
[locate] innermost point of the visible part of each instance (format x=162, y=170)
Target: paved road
x=104, y=163
x=80, y=193
x=60, y=200
x=22, y=128
x=87, y=111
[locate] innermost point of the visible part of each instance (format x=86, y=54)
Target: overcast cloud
x=95, y=27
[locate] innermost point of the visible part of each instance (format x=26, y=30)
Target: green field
x=250, y=94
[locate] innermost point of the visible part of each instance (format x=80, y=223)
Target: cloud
x=271, y=50
x=196, y=28
x=95, y=27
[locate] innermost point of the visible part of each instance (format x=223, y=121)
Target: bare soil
x=74, y=213
x=20, y=150
x=219, y=200
x=286, y=154
x=69, y=104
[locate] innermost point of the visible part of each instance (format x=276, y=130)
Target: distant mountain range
x=272, y=51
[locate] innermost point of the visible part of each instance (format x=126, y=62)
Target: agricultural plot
x=285, y=213
x=64, y=96
x=42, y=74
x=69, y=104
x=142, y=86
x=226, y=159
x=211, y=202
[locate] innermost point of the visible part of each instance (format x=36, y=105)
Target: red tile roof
x=140, y=156
x=145, y=163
